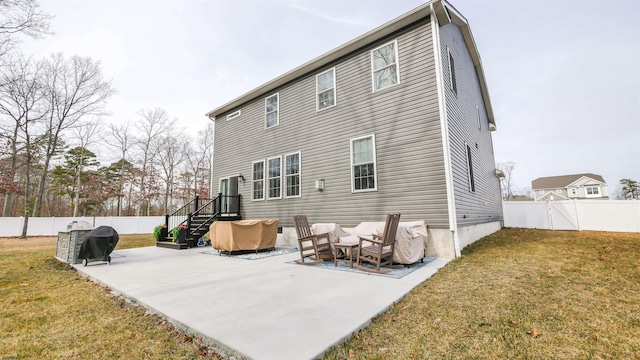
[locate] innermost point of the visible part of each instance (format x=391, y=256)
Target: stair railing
x=212, y=208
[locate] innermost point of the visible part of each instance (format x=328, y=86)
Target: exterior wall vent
x=234, y=115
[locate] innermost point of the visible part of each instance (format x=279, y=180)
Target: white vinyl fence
x=600, y=215
x=50, y=226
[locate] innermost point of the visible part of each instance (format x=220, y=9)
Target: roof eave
x=445, y=13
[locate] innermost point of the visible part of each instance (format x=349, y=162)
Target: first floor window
x=363, y=164
x=472, y=183
x=257, y=182
x=273, y=178
x=292, y=174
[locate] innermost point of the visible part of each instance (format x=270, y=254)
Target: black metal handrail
x=220, y=205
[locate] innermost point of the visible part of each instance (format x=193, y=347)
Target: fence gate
x=563, y=215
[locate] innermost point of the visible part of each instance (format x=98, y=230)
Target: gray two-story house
x=396, y=120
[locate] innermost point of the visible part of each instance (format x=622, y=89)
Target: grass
x=517, y=294
x=49, y=311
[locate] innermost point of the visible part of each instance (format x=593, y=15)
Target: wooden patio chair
x=380, y=250
x=310, y=244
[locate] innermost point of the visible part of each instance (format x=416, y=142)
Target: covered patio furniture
x=244, y=235
x=378, y=250
x=312, y=246
x=411, y=239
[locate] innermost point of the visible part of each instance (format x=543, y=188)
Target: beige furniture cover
x=243, y=234
x=334, y=230
x=411, y=239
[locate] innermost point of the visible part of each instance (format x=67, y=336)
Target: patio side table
x=347, y=249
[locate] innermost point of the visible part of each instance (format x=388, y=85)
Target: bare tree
x=152, y=125
x=170, y=155
x=20, y=100
x=204, y=142
x=120, y=139
x=21, y=17
x=74, y=88
x=507, y=182
x=85, y=133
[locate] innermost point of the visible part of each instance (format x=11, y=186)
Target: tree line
x=58, y=155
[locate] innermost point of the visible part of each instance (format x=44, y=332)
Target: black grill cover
x=98, y=243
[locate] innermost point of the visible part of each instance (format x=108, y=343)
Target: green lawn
x=517, y=294
x=49, y=311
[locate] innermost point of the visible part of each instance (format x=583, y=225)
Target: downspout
x=448, y=171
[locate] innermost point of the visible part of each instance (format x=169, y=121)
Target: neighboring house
x=396, y=120
x=568, y=187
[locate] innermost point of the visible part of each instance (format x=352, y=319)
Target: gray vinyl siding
x=485, y=203
x=404, y=119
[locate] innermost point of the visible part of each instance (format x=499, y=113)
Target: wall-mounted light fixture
x=241, y=177
x=320, y=185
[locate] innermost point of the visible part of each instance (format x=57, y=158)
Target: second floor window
x=326, y=89
x=272, y=108
x=384, y=63
x=593, y=191
x=452, y=73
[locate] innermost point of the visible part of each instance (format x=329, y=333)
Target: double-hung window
x=592, y=191
x=384, y=66
x=363, y=164
x=272, y=110
x=257, y=181
x=452, y=73
x=326, y=89
x=274, y=178
x=472, y=183
x=292, y=174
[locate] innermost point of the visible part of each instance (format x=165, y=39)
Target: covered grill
x=98, y=244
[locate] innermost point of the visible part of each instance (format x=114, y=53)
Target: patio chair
x=379, y=250
x=310, y=244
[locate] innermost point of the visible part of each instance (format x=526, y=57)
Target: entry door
x=229, y=191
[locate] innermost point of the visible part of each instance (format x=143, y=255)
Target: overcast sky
x=563, y=76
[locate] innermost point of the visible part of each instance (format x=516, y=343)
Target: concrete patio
x=259, y=309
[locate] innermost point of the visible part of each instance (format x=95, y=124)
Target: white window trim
x=478, y=117
x=471, y=179
x=234, y=115
x=264, y=181
x=373, y=81
x=277, y=111
x=586, y=194
x=452, y=85
x=335, y=92
x=269, y=178
x=375, y=161
x=284, y=193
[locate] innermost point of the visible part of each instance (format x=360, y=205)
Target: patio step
x=171, y=245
